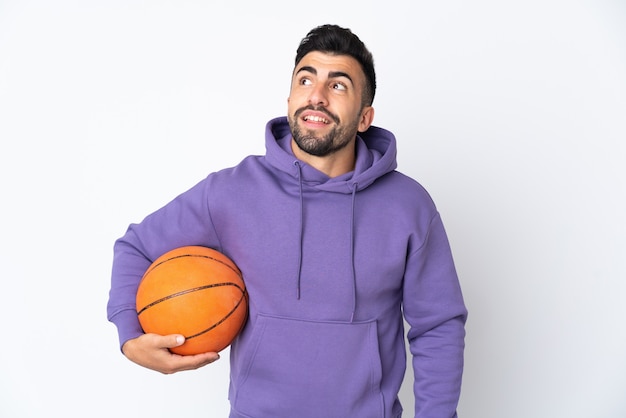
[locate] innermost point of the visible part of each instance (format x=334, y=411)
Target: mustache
x=323, y=110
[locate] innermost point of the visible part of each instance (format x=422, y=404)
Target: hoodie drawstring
x=352, y=222
x=301, y=238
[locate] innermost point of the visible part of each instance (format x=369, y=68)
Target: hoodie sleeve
x=436, y=314
x=183, y=221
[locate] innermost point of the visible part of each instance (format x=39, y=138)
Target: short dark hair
x=333, y=39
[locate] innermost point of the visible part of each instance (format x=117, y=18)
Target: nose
x=318, y=96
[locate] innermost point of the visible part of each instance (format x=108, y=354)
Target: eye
x=339, y=86
x=305, y=82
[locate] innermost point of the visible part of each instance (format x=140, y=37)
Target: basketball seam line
x=184, y=292
x=243, y=296
x=238, y=273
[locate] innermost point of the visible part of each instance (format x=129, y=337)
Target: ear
x=366, y=119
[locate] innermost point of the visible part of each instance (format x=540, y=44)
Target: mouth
x=315, y=119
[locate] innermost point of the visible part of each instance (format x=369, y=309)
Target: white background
x=511, y=113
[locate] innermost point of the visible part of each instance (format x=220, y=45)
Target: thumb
x=174, y=340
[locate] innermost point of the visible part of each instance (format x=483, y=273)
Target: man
x=335, y=246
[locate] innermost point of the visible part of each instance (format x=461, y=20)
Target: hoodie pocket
x=311, y=369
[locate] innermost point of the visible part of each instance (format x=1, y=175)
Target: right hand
x=152, y=351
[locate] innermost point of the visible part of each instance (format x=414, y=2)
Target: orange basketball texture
x=197, y=292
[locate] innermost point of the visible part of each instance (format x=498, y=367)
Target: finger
x=193, y=362
x=206, y=358
x=174, y=340
x=199, y=359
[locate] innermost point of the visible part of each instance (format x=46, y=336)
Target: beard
x=320, y=146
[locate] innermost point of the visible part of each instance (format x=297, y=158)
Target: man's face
x=325, y=103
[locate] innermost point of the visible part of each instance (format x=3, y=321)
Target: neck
x=333, y=165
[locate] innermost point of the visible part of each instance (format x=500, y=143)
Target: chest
x=313, y=258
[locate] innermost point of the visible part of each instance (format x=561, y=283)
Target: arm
x=184, y=221
x=435, y=311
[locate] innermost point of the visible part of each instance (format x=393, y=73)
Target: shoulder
x=406, y=189
x=244, y=177
x=246, y=169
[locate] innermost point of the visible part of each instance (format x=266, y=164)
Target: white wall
x=512, y=114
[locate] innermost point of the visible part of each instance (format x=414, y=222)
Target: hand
x=151, y=351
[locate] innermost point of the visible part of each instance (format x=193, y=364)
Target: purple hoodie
x=331, y=265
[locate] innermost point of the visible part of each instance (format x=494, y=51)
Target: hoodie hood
x=375, y=157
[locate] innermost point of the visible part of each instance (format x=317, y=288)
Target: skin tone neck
x=325, y=110
x=333, y=165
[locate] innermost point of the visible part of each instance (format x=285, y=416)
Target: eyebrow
x=332, y=74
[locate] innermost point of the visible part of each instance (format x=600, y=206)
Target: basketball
x=197, y=292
